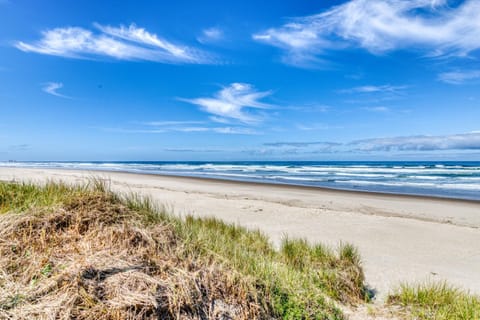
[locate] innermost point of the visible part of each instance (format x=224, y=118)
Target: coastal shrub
x=84, y=252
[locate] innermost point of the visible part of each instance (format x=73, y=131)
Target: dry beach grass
x=86, y=253
x=401, y=238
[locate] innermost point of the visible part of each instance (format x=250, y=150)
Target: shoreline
x=401, y=238
x=270, y=184
x=451, y=180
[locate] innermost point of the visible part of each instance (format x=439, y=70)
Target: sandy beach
x=400, y=238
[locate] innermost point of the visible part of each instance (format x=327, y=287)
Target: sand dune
x=401, y=238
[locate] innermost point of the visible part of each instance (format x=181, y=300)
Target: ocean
x=459, y=180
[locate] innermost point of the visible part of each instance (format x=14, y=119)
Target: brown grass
x=86, y=253
x=90, y=260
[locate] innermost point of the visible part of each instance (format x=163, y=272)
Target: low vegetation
x=437, y=301
x=84, y=252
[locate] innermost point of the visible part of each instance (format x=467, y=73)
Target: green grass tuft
x=438, y=301
x=23, y=196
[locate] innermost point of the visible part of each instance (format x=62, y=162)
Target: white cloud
x=291, y=148
x=219, y=120
x=222, y=130
x=377, y=109
x=197, y=126
x=211, y=35
x=190, y=129
x=301, y=144
x=201, y=150
x=431, y=26
x=123, y=43
x=313, y=127
x=234, y=102
x=308, y=108
x=236, y=130
x=127, y=130
x=52, y=88
x=462, y=141
x=171, y=123
x=156, y=127
x=459, y=77
x=373, y=89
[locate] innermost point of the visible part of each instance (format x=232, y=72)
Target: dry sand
x=401, y=238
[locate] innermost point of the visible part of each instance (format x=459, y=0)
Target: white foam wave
x=450, y=186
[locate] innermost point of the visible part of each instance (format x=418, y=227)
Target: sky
x=240, y=80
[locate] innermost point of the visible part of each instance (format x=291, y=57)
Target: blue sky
x=246, y=80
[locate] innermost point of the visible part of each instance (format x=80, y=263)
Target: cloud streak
x=463, y=141
x=171, y=123
x=375, y=89
x=381, y=109
x=236, y=101
x=193, y=150
x=158, y=127
x=421, y=143
x=52, y=88
x=428, y=26
x=459, y=77
x=198, y=126
x=121, y=43
x=211, y=35
x=301, y=144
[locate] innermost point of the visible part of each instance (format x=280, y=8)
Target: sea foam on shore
x=442, y=179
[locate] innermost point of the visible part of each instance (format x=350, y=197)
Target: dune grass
x=19, y=197
x=84, y=252
x=437, y=301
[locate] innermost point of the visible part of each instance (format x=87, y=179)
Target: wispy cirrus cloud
x=172, y=123
x=312, y=108
x=301, y=144
x=291, y=148
x=459, y=77
x=463, y=141
x=209, y=35
x=386, y=88
x=121, y=43
x=236, y=101
x=193, y=150
x=52, y=88
x=377, y=109
x=420, y=143
x=236, y=130
x=433, y=27
x=314, y=126
x=158, y=127
x=222, y=130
